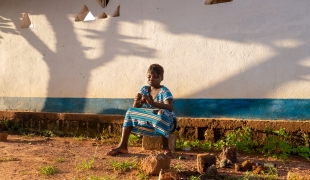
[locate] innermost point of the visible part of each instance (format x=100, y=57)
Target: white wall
x=241, y=49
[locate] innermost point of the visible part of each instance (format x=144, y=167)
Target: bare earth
x=21, y=157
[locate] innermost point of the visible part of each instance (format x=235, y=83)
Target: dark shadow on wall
x=60, y=78
x=247, y=29
x=5, y=27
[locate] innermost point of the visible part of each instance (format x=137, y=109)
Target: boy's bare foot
x=169, y=154
x=116, y=151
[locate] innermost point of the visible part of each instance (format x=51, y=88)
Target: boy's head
x=156, y=69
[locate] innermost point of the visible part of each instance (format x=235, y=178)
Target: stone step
x=155, y=143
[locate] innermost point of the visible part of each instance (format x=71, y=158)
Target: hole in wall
x=116, y=13
x=103, y=3
x=26, y=23
x=85, y=15
x=207, y=2
x=217, y=135
x=103, y=15
x=201, y=133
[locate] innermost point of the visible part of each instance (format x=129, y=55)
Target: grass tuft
x=48, y=170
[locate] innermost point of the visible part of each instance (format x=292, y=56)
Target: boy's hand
x=147, y=99
x=138, y=97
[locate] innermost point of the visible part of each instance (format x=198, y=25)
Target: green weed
x=178, y=166
x=48, y=170
x=48, y=133
x=29, y=135
x=85, y=165
x=193, y=144
x=303, y=151
x=60, y=160
x=271, y=174
x=8, y=159
x=276, y=145
x=142, y=175
x=92, y=177
x=180, y=144
x=16, y=126
x=134, y=139
x=80, y=138
x=306, y=138
x=220, y=144
x=123, y=166
x=194, y=178
x=241, y=139
x=206, y=146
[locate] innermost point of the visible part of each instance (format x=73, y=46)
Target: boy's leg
x=166, y=149
x=165, y=143
x=123, y=145
x=125, y=136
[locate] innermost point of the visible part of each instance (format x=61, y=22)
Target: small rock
x=204, y=161
x=187, y=149
x=225, y=163
x=212, y=170
x=152, y=164
x=245, y=166
x=230, y=153
x=168, y=174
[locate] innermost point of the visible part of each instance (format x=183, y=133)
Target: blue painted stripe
x=289, y=109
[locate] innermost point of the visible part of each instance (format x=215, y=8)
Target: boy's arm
x=138, y=102
x=168, y=104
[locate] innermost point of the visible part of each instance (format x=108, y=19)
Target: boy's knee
x=161, y=111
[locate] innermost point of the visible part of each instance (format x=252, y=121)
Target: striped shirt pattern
x=145, y=120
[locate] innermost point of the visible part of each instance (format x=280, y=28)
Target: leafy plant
x=194, y=178
x=48, y=170
x=220, y=144
x=123, y=166
x=193, y=144
x=80, y=138
x=303, y=151
x=142, y=175
x=182, y=144
x=206, y=146
x=270, y=174
x=133, y=139
x=29, y=135
x=14, y=127
x=49, y=133
x=276, y=145
x=306, y=138
x=241, y=139
x=178, y=166
x=84, y=164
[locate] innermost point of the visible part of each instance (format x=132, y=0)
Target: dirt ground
x=24, y=157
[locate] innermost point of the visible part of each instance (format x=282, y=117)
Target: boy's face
x=153, y=79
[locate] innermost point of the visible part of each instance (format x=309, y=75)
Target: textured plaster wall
x=241, y=49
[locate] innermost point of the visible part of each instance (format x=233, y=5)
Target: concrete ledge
x=93, y=125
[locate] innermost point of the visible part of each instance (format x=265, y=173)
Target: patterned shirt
x=163, y=94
